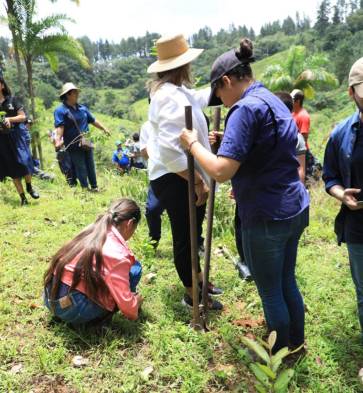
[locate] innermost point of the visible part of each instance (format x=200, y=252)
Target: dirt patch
x=51, y=384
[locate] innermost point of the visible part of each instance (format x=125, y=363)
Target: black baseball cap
x=222, y=66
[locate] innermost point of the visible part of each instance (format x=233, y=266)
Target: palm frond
x=295, y=60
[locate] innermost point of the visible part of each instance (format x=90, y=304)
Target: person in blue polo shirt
x=70, y=120
x=258, y=153
x=343, y=177
x=120, y=158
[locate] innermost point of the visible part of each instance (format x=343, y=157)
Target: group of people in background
x=262, y=151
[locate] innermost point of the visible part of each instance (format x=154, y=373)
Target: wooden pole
x=193, y=227
x=210, y=213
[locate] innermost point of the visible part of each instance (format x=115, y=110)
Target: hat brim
x=213, y=99
x=359, y=90
x=174, y=62
x=68, y=90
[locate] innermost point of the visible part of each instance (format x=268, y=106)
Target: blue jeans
x=82, y=310
x=153, y=213
x=270, y=249
x=84, y=166
x=355, y=251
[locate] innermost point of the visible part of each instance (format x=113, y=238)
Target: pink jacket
x=118, y=259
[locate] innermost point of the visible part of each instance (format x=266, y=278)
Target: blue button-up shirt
x=261, y=134
x=63, y=118
x=338, y=153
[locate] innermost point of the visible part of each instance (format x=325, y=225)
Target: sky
x=117, y=19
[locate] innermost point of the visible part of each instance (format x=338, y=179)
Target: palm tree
x=300, y=72
x=43, y=38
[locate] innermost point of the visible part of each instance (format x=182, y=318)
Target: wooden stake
x=193, y=227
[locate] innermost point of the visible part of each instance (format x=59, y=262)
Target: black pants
x=172, y=191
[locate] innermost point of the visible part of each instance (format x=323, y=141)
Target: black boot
x=23, y=199
x=31, y=191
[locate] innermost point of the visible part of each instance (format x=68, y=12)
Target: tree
x=300, y=72
x=337, y=18
x=288, y=26
x=43, y=38
x=323, y=16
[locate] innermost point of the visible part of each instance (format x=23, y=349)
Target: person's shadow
x=86, y=337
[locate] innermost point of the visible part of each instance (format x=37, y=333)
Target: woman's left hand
x=7, y=122
x=187, y=137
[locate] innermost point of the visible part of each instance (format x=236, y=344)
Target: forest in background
x=337, y=33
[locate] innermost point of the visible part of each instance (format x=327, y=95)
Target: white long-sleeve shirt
x=167, y=119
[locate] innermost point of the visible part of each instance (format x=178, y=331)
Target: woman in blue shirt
x=70, y=120
x=258, y=153
x=15, y=157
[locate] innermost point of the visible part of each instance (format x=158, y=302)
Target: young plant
x=270, y=379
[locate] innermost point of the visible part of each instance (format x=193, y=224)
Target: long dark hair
x=88, y=246
x=6, y=90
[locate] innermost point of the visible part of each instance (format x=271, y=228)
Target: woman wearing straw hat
x=71, y=120
x=170, y=92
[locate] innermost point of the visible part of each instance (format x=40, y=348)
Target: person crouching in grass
x=95, y=274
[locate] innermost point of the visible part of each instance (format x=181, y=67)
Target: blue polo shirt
x=261, y=134
x=82, y=116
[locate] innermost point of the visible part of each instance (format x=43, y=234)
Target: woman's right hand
x=350, y=200
x=202, y=191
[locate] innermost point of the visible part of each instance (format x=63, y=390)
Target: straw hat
x=173, y=52
x=68, y=87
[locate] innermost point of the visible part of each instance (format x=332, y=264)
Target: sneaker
x=212, y=290
x=32, y=192
x=94, y=189
x=213, y=305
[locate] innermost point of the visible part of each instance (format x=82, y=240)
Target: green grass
x=182, y=360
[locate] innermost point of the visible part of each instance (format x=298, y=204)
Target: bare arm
x=219, y=168
x=100, y=126
x=302, y=161
x=59, y=131
x=19, y=118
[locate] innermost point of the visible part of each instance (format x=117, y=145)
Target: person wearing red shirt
x=300, y=114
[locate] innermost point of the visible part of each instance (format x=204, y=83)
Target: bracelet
x=191, y=144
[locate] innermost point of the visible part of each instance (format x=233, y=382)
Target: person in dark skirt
x=15, y=157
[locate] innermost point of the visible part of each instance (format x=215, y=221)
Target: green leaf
x=272, y=339
x=283, y=380
x=260, y=375
x=257, y=348
x=263, y=343
x=267, y=371
x=260, y=388
x=277, y=358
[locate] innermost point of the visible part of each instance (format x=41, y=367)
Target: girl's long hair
x=88, y=246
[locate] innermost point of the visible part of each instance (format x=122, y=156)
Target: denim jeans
x=153, y=213
x=84, y=166
x=270, y=249
x=82, y=310
x=355, y=251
